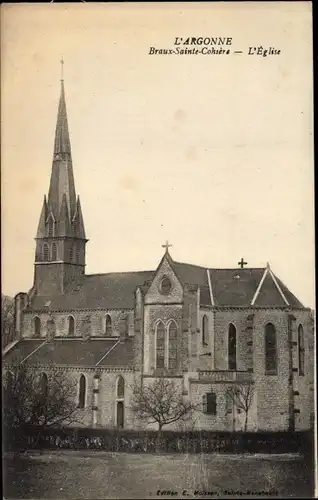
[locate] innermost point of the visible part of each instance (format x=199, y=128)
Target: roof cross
x=242, y=263
x=166, y=246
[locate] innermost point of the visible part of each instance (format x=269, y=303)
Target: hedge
x=167, y=442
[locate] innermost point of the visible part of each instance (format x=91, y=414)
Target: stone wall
x=97, y=319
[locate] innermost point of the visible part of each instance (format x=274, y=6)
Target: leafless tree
x=32, y=399
x=159, y=402
x=7, y=320
x=242, y=398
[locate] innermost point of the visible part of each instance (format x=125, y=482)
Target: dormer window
x=165, y=286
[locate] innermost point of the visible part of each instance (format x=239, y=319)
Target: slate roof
x=97, y=291
x=230, y=287
x=75, y=352
x=235, y=287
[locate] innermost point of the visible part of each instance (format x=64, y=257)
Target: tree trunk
x=158, y=444
x=245, y=425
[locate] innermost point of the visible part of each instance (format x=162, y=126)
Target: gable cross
x=242, y=263
x=166, y=246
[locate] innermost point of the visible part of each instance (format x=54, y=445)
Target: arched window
x=45, y=252
x=108, y=326
x=232, y=347
x=44, y=384
x=82, y=392
x=205, y=328
x=120, y=387
x=301, y=350
x=54, y=251
x=37, y=326
x=270, y=350
x=173, y=330
x=50, y=227
x=71, y=326
x=160, y=345
x=120, y=414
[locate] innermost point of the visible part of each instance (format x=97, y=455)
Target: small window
x=82, y=392
x=54, y=251
x=74, y=225
x=120, y=387
x=37, y=327
x=165, y=286
x=205, y=329
x=160, y=345
x=45, y=252
x=71, y=326
x=71, y=254
x=270, y=350
x=108, y=326
x=301, y=350
x=209, y=403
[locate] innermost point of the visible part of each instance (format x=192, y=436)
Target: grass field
x=103, y=475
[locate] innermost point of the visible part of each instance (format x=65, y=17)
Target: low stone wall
x=167, y=442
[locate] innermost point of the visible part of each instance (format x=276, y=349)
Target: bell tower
x=60, y=238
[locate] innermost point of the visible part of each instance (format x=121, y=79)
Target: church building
x=206, y=329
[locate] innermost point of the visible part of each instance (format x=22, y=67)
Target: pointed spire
x=62, y=145
x=41, y=227
x=62, y=178
x=78, y=222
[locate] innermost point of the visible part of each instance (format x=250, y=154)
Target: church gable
x=269, y=294
x=165, y=287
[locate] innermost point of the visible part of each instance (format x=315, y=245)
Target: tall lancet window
x=232, y=347
x=54, y=251
x=37, y=326
x=270, y=350
x=71, y=326
x=71, y=254
x=108, y=326
x=301, y=350
x=172, y=336
x=205, y=329
x=82, y=392
x=45, y=252
x=160, y=345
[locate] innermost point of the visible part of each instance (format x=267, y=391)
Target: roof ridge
x=117, y=272
x=220, y=268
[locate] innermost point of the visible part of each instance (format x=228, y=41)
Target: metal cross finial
x=242, y=263
x=166, y=246
x=62, y=72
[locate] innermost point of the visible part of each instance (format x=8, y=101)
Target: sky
x=212, y=152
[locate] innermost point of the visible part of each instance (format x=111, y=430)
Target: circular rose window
x=165, y=286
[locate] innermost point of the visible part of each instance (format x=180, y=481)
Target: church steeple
x=61, y=234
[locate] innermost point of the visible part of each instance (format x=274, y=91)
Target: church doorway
x=120, y=415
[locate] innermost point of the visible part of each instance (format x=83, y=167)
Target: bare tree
x=160, y=403
x=32, y=399
x=242, y=398
x=7, y=320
